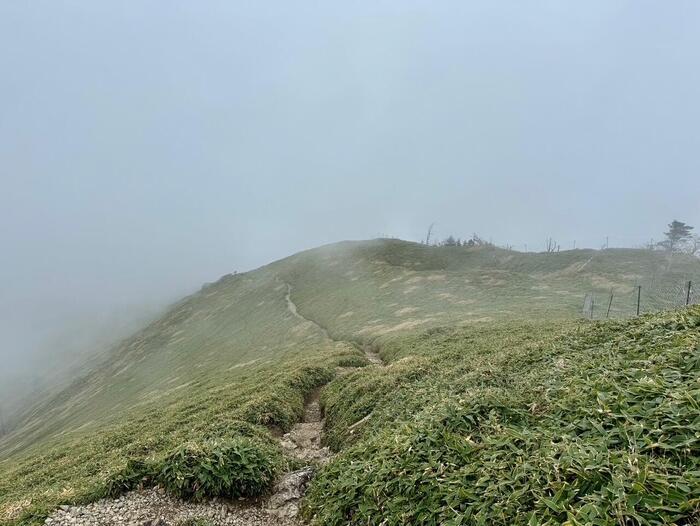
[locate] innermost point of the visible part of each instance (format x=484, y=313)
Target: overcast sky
x=147, y=147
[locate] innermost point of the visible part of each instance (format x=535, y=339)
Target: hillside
x=238, y=359
x=522, y=423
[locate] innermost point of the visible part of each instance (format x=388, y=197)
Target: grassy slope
x=372, y=289
x=520, y=424
x=230, y=360
x=234, y=360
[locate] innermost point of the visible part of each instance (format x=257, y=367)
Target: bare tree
x=430, y=232
x=551, y=245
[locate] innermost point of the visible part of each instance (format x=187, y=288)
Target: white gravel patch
x=153, y=507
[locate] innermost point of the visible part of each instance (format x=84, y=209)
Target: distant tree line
x=679, y=238
x=451, y=241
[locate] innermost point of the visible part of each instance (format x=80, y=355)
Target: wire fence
x=639, y=299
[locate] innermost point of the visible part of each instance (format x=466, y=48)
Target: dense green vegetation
x=520, y=424
x=469, y=370
x=237, y=467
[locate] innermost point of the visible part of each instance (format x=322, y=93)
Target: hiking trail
x=153, y=507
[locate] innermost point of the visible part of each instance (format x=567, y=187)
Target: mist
x=149, y=147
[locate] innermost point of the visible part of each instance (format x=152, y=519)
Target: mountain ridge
x=234, y=359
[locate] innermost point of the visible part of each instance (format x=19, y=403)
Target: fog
x=148, y=147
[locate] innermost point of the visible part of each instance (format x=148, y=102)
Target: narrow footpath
x=304, y=440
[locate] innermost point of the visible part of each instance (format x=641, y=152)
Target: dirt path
x=304, y=443
x=304, y=440
x=291, y=306
x=372, y=356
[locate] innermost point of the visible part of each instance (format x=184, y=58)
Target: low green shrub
x=233, y=468
x=353, y=361
x=307, y=378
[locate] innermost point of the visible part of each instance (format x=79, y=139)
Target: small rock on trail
x=287, y=493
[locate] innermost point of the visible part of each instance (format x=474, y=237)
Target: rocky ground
x=304, y=440
x=153, y=507
x=304, y=443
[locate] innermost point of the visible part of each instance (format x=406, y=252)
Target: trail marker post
x=687, y=295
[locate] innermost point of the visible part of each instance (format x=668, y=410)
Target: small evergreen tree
x=677, y=236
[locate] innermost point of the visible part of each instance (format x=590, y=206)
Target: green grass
x=232, y=362
x=82, y=467
x=520, y=424
x=369, y=290
x=237, y=467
